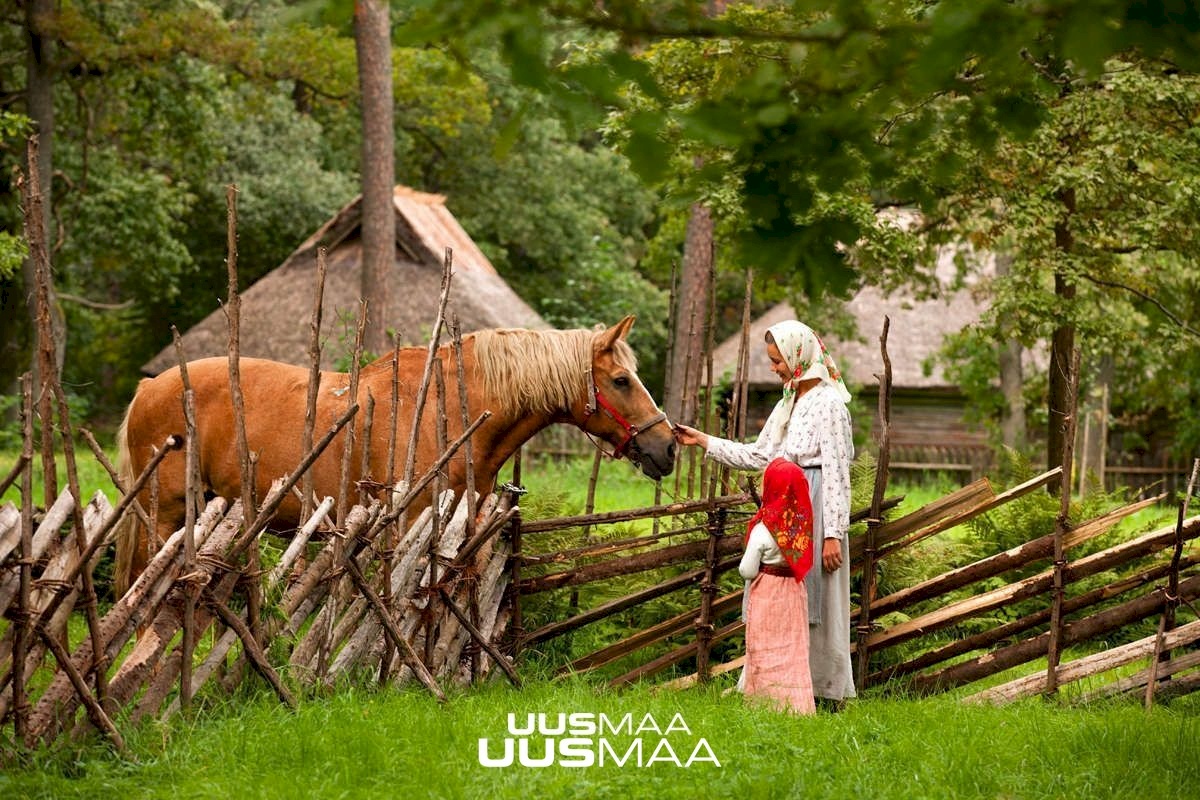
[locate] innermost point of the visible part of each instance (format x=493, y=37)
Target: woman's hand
x=831, y=554
x=690, y=436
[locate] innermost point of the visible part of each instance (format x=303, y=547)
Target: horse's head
x=619, y=410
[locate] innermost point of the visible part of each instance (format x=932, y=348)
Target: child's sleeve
x=752, y=558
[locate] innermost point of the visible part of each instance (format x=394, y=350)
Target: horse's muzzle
x=655, y=458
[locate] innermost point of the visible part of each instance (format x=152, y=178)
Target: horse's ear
x=619, y=331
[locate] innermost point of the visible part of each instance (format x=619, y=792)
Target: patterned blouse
x=818, y=434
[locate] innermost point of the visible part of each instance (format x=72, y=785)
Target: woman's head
x=797, y=354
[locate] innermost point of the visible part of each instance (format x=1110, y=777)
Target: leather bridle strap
x=631, y=431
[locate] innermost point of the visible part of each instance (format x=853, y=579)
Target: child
x=779, y=552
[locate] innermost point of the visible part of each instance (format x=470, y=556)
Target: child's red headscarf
x=787, y=513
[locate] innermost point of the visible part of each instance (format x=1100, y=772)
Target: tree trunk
x=372, y=38
x=39, y=105
x=1012, y=379
x=1094, y=417
x=1062, y=345
x=691, y=319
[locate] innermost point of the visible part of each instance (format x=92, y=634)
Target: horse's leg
x=166, y=506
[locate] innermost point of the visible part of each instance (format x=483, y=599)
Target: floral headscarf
x=787, y=513
x=806, y=357
x=805, y=354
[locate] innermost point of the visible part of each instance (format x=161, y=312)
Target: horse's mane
x=540, y=371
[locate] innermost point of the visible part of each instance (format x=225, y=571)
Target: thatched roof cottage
x=277, y=309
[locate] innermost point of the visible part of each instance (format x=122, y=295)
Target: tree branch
x=95, y=304
x=1153, y=301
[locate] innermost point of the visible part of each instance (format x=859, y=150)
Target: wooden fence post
x=1061, y=524
x=509, y=498
x=1171, y=595
x=708, y=588
x=191, y=497
x=24, y=619
x=875, y=520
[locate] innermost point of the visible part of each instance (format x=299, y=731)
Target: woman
x=779, y=553
x=810, y=426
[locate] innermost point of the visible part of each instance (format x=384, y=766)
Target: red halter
x=631, y=431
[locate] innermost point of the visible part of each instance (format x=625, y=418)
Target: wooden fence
x=445, y=613
x=336, y=612
x=1070, y=609
x=927, y=621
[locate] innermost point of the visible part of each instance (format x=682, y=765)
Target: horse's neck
x=505, y=431
x=497, y=439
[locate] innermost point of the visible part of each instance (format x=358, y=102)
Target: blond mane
x=540, y=371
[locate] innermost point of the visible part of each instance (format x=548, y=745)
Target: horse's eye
x=621, y=382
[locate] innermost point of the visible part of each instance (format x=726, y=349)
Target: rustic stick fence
x=332, y=604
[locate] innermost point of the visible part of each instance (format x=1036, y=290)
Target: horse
x=527, y=379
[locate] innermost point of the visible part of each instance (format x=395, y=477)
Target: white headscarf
x=806, y=357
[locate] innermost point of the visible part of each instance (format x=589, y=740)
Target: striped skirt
x=777, y=644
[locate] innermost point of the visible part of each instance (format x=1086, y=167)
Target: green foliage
x=794, y=121
x=13, y=249
x=157, y=113
x=563, y=219
x=1094, y=195
x=796, y=95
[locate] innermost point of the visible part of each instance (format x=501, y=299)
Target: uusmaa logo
x=584, y=739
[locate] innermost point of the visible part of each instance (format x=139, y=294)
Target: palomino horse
x=527, y=379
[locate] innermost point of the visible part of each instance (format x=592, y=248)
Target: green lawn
x=404, y=744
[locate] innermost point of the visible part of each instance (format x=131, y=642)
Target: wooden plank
x=50, y=585
x=675, y=656
x=621, y=603
x=654, y=633
x=10, y=529
x=969, y=513
x=1088, y=665
x=972, y=494
x=991, y=566
x=46, y=535
x=988, y=601
x=660, y=557
x=1179, y=686
x=691, y=680
x=57, y=703
x=1140, y=679
x=600, y=548
x=1011, y=630
x=670, y=510
x=1098, y=624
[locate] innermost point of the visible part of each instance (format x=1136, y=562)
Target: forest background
x=603, y=153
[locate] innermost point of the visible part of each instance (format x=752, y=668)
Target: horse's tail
x=127, y=528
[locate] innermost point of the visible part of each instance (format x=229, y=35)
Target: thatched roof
x=277, y=309
x=917, y=331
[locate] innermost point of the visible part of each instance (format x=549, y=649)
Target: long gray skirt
x=828, y=611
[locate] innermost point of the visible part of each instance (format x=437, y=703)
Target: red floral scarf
x=787, y=513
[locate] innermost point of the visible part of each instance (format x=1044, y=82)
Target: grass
x=92, y=476
x=404, y=744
